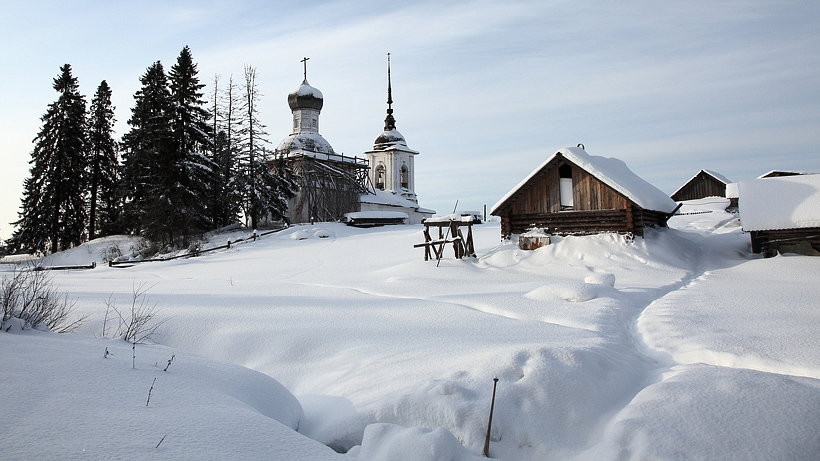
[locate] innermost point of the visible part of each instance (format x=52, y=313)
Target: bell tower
x=391, y=161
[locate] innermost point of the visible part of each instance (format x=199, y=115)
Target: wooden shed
x=782, y=214
x=573, y=192
x=706, y=183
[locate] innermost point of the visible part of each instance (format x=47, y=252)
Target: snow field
x=605, y=347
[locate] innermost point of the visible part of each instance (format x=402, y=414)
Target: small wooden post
x=490, y=424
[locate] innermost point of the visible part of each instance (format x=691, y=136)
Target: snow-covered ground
x=682, y=345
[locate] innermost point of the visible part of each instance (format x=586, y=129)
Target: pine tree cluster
x=183, y=170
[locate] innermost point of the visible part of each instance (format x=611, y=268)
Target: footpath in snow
x=681, y=345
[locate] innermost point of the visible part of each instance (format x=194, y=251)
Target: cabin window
x=565, y=186
x=380, y=177
x=405, y=177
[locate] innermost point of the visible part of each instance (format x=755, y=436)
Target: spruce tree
x=53, y=214
x=187, y=192
x=103, y=168
x=147, y=150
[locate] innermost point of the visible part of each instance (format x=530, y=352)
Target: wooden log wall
x=631, y=220
x=771, y=242
x=572, y=222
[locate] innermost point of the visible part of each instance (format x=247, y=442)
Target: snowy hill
x=682, y=345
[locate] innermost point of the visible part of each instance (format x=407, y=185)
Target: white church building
x=379, y=187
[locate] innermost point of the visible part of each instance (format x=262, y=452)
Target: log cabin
x=706, y=183
x=574, y=193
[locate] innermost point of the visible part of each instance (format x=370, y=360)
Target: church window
x=565, y=186
x=380, y=177
x=405, y=177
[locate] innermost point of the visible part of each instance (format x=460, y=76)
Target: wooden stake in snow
x=490, y=424
x=441, y=249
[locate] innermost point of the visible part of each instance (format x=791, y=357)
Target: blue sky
x=485, y=91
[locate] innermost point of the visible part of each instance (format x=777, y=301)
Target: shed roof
x=612, y=172
x=711, y=173
x=788, y=202
x=779, y=173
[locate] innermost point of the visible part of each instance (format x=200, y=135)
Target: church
x=332, y=186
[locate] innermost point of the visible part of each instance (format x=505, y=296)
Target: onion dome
x=389, y=138
x=305, y=97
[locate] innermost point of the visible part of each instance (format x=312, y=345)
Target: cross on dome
x=304, y=61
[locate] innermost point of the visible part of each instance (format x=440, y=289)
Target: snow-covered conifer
x=192, y=143
x=103, y=167
x=147, y=149
x=53, y=213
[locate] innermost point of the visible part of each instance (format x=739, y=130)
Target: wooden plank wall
x=702, y=185
x=542, y=194
x=770, y=242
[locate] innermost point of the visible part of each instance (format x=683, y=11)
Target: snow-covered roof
x=391, y=140
x=383, y=197
x=612, y=172
x=391, y=137
x=312, y=142
x=732, y=190
x=711, y=173
x=456, y=217
x=376, y=215
x=306, y=90
x=779, y=173
x=787, y=202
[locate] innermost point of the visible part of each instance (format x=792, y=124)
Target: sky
x=484, y=90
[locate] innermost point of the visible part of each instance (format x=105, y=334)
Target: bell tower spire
x=389, y=121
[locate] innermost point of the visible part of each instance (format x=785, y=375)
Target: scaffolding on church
x=329, y=185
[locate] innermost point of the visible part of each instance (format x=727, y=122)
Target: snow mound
x=389, y=442
x=726, y=414
x=601, y=279
x=568, y=291
x=300, y=235
x=322, y=233
x=91, y=396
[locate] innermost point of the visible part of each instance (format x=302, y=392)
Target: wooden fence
x=196, y=253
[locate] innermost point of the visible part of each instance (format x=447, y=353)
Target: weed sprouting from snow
x=149, y=393
x=169, y=362
x=139, y=323
x=29, y=296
